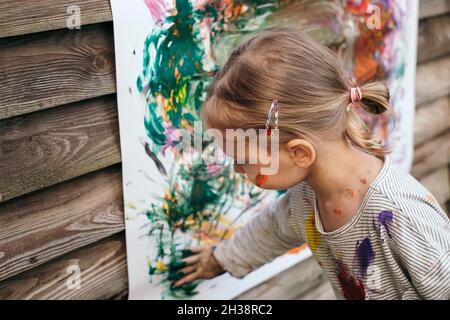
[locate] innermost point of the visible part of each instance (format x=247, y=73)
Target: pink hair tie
x=355, y=96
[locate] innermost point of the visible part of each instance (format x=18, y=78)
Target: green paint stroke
x=176, y=73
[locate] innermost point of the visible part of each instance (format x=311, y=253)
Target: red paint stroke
x=337, y=212
x=352, y=288
x=261, y=180
x=363, y=180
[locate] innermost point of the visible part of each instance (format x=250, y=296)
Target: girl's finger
x=189, y=278
x=188, y=269
x=196, y=249
x=192, y=259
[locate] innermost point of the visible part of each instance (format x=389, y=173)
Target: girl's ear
x=302, y=152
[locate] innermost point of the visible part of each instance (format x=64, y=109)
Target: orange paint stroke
x=298, y=249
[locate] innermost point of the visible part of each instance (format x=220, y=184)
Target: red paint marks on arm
x=363, y=180
x=349, y=193
x=337, y=212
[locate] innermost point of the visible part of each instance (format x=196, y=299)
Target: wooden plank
x=29, y=16
x=434, y=38
x=431, y=8
x=43, y=148
x=54, y=68
x=102, y=271
x=431, y=155
x=431, y=120
x=437, y=182
x=43, y=225
x=288, y=284
x=432, y=80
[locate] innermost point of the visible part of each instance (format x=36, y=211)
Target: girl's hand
x=200, y=265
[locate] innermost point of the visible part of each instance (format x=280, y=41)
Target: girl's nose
x=238, y=168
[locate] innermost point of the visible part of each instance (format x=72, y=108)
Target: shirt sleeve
x=421, y=241
x=436, y=283
x=265, y=237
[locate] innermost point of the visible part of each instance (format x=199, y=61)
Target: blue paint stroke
x=384, y=217
x=365, y=254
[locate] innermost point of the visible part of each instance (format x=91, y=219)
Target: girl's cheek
x=238, y=168
x=261, y=180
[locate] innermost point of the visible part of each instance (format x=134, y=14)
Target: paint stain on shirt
x=365, y=254
x=352, y=288
x=312, y=235
x=384, y=217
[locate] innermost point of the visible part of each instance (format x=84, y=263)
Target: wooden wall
x=60, y=172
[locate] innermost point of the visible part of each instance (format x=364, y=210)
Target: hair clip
x=273, y=110
x=355, y=96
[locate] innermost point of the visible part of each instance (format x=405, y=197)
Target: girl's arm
x=421, y=241
x=263, y=238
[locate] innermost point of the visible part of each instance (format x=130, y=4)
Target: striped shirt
x=397, y=245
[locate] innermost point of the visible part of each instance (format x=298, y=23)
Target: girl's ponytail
x=374, y=99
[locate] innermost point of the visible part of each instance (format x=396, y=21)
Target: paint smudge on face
x=363, y=180
x=337, y=212
x=261, y=180
x=352, y=288
x=384, y=217
x=349, y=194
x=312, y=235
x=365, y=254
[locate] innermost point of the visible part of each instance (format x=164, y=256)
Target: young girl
x=374, y=229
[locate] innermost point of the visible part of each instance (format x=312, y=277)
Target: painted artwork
x=167, y=53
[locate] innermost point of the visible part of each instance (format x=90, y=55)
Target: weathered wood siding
x=60, y=173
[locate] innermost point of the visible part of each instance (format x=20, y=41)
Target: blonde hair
x=306, y=79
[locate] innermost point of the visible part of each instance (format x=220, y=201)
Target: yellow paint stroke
x=312, y=235
x=161, y=266
x=130, y=205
